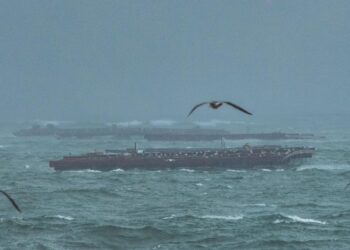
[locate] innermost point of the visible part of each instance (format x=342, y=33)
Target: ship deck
x=192, y=158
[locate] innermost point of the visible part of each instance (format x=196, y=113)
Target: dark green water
x=305, y=207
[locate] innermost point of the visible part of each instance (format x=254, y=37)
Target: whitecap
x=27, y=166
x=236, y=170
x=222, y=217
x=3, y=146
x=296, y=218
x=187, y=170
x=215, y=217
x=93, y=171
x=86, y=171
x=255, y=205
x=324, y=167
x=199, y=184
x=258, y=205
x=118, y=170
x=157, y=246
x=279, y=170
x=266, y=170
x=277, y=221
x=299, y=219
x=169, y=217
x=63, y=217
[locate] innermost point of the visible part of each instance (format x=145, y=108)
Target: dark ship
x=156, y=134
x=246, y=157
x=227, y=136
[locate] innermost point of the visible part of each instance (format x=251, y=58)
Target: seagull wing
x=238, y=107
x=12, y=201
x=195, y=107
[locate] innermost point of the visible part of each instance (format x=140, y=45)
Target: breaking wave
x=255, y=205
x=93, y=171
x=63, y=217
x=235, y=170
x=214, y=217
x=220, y=217
x=85, y=171
x=324, y=167
x=297, y=219
x=187, y=170
x=118, y=170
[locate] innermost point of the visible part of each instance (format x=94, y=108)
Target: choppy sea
x=304, y=207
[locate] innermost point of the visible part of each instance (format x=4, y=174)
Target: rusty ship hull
x=155, y=159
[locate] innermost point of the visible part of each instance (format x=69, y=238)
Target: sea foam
x=324, y=167
x=214, y=217
x=295, y=218
x=236, y=170
x=63, y=217
x=86, y=171
x=187, y=170
x=118, y=170
x=222, y=217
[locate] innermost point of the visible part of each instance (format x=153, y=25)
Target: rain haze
x=125, y=60
x=99, y=148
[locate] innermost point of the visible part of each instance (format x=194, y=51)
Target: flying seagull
x=11, y=200
x=216, y=105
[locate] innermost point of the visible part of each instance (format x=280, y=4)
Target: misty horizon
x=129, y=60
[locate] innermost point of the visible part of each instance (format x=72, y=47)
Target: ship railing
x=297, y=153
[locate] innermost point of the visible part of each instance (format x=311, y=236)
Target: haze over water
x=305, y=206
x=78, y=63
x=140, y=60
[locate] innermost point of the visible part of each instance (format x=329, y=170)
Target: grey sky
x=120, y=60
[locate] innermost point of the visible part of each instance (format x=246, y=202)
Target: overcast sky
x=124, y=60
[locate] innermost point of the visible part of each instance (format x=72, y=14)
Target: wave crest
x=63, y=217
x=215, y=217
x=297, y=219
x=324, y=167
